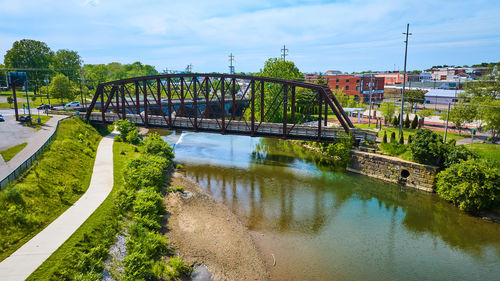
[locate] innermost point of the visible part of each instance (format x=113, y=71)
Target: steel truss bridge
x=226, y=104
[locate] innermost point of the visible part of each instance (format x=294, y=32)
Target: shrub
x=133, y=137
x=146, y=170
x=340, y=151
x=154, y=144
x=148, y=208
x=414, y=123
x=456, y=154
x=428, y=148
x=393, y=149
x=393, y=137
x=409, y=139
x=407, y=121
x=473, y=184
x=176, y=189
x=124, y=126
x=395, y=121
x=384, y=139
x=401, y=138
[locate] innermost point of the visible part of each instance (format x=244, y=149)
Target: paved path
x=35, y=141
x=31, y=255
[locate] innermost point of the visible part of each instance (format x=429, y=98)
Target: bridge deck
x=301, y=132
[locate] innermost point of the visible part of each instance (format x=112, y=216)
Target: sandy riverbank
x=205, y=232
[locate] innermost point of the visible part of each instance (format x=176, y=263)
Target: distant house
x=442, y=95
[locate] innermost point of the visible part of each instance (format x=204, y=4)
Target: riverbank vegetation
x=10, y=152
x=40, y=195
x=339, y=151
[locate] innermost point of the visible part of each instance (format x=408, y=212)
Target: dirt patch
x=205, y=232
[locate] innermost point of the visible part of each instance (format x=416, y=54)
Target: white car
x=73, y=104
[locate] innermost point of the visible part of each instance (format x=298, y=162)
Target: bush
x=133, y=137
x=124, y=126
x=154, y=144
x=384, y=139
x=393, y=137
x=409, y=139
x=473, y=184
x=456, y=154
x=393, y=149
x=148, y=209
x=341, y=151
x=395, y=121
x=147, y=170
x=401, y=138
x=428, y=148
x=414, y=123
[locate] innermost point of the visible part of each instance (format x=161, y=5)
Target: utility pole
x=189, y=68
x=284, y=53
x=404, y=80
x=231, y=67
x=84, y=92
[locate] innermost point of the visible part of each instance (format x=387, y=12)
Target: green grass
x=92, y=233
x=486, y=150
x=52, y=184
x=34, y=121
x=408, y=131
x=10, y=152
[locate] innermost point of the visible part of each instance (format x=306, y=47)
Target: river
x=320, y=224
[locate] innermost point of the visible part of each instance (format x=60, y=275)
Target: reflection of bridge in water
x=227, y=104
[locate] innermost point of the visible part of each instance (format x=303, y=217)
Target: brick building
x=358, y=86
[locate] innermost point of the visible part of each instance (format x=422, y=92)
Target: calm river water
x=323, y=225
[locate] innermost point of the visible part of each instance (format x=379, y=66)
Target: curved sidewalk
x=31, y=255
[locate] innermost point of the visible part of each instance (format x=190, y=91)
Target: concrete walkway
x=34, y=143
x=31, y=255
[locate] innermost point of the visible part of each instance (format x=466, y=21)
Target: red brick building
x=358, y=86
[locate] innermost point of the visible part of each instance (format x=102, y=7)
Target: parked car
x=45, y=107
x=73, y=104
x=1, y=118
x=25, y=118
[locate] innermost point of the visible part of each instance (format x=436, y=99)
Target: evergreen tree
x=409, y=139
x=384, y=139
x=414, y=123
x=393, y=137
x=401, y=138
x=407, y=121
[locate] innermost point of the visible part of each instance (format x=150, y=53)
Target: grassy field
x=34, y=122
x=99, y=230
x=41, y=194
x=408, y=131
x=10, y=152
x=486, y=150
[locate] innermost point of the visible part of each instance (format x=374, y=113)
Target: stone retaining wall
x=394, y=170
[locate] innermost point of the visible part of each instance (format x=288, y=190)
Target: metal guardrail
x=28, y=162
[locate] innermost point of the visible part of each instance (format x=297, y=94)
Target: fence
x=21, y=168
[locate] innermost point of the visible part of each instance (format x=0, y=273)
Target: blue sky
x=320, y=35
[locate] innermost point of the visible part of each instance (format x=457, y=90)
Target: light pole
x=371, y=94
x=404, y=80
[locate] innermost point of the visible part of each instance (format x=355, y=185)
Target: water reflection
x=276, y=187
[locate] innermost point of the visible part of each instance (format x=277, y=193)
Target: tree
x=384, y=139
x=414, y=123
x=460, y=114
x=28, y=53
x=61, y=88
x=407, y=121
x=473, y=185
x=428, y=148
x=425, y=113
x=401, y=138
x=68, y=63
x=276, y=68
x=10, y=100
x=415, y=96
x=387, y=109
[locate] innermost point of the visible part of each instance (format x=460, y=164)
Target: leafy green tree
x=425, y=113
x=415, y=96
x=10, y=101
x=473, y=185
x=460, y=114
x=456, y=154
x=387, y=109
x=68, y=63
x=428, y=148
x=28, y=53
x=61, y=88
x=275, y=68
x=154, y=144
x=393, y=137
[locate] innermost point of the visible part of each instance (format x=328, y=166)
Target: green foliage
x=176, y=189
x=395, y=121
x=100, y=73
x=174, y=269
x=155, y=145
x=409, y=139
x=460, y=114
x=473, y=185
x=10, y=101
x=128, y=132
x=455, y=154
x=68, y=63
x=428, y=148
x=388, y=109
x=133, y=137
x=146, y=171
x=47, y=194
x=28, y=53
x=148, y=209
x=414, y=123
x=384, y=139
x=401, y=138
x=393, y=137
x=61, y=88
x=407, y=121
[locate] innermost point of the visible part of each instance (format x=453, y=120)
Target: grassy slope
x=486, y=150
x=10, y=152
x=52, y=184
x=62, y=260
x=407, y=132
